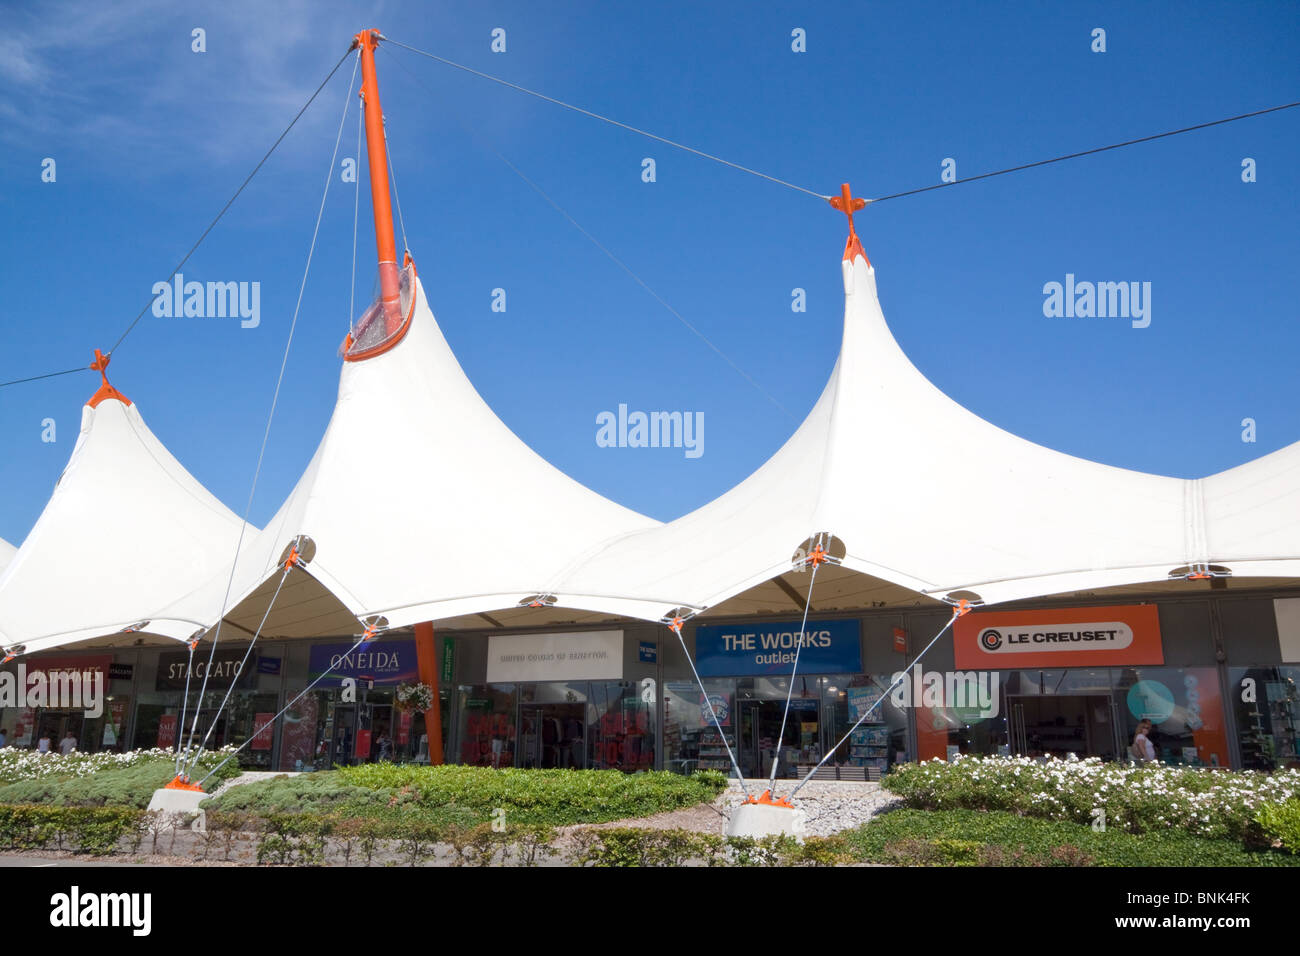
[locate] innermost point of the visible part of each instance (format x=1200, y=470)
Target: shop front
x=745, y=669
x=349, y=713
x=250, y=689
x=575, y=699
x=1074, y=681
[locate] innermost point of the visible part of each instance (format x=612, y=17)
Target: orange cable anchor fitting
x=292, y=559
x=767, y=801
x=963, y=608
x=675, y=625
x=180, y=783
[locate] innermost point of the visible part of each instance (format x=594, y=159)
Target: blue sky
x=151, y=138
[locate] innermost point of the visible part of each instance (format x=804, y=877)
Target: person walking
x=1142, y=750
x=68, y=744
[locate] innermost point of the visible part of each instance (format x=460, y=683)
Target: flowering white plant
x=18, y=764
x=1210, y=803
x=414, y=697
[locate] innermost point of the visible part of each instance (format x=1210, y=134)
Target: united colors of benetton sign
x=1063, y=637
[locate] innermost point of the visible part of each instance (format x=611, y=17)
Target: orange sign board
x=1062, y=637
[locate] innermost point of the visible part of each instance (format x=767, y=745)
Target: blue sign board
x=268, y=665
x=767, y=649
x=647, y=653
x=384, y=662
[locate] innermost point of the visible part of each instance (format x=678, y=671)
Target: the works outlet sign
x=768, y=648
x=1062, y=637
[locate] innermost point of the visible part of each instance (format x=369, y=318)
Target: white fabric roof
x=127, y=529
x=7, y=552
x=927, y=495
x=421, y=503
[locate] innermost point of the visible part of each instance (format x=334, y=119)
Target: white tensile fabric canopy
x=420, y=504
x=7, y=552
x=126, y=530
x=925, y=494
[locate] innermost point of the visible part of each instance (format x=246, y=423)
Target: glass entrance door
x=760, y=723
x=1080, y=724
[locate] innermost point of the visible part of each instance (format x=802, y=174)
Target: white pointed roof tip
x=126, y=529
x=927, y=495
x=421, y=503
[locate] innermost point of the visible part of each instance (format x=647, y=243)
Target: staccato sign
x=1064, y=637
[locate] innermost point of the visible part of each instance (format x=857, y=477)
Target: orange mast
x=377, y=156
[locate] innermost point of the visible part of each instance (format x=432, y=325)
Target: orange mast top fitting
x=377, y=157
x=100, y=365
x=848, y=204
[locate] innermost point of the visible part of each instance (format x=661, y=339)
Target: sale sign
x=264, y=725
x=167, y=731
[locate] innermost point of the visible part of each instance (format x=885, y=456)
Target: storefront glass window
x=1267, y=707
x=620, y=726
x=487, y=729
x=1185, y=708
x=691, y=740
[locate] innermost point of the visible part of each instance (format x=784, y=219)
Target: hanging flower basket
x=414, y=697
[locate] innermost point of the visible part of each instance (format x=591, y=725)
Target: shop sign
x=900, y=641
x=579, y=655
x=448, y=659
x=1059, y=637
x=86, y=665
x=120, y=671
x=647, y=653
x=768, y=648
x=384, y=662
x=268, y=665
x=227, y=667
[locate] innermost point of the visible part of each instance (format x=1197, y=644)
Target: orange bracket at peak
x=100, y=365
x=848, y=204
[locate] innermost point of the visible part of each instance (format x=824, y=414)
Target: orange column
x=377, y=156
x=426, y=663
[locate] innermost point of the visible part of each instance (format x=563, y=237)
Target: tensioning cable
x=961, y=608
x=1085, y=152
x=230, y=202
x=605, y=119
x=789, y=692
x=275, y=398
x=595, y=242
x=369, y=634
x=675, y=625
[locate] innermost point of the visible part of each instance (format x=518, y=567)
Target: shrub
x=1001, y=838
x=1281, y=824
x=95, y=830
x=1210, y=803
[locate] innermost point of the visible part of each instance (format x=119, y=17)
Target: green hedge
x=467, y=796
x=94, y=830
